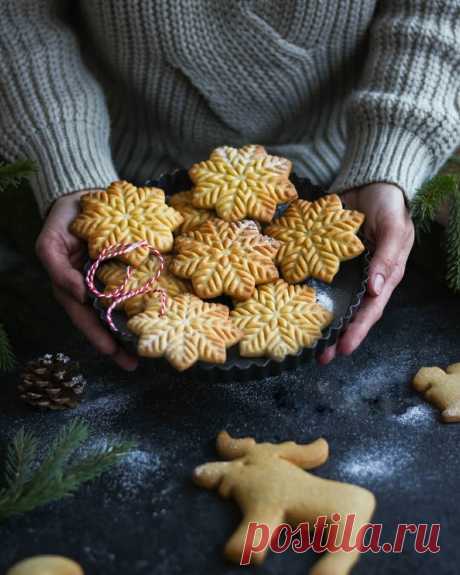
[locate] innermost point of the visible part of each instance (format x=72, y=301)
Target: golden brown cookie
x=442, y=388
x=225, y=258
x=279, y=319
x=270, y=485
x=46, y=565
x=189, y=331
x=315, y=237
x=125, y=214
x=193, y=217
x=242, y=183
x=113, y=274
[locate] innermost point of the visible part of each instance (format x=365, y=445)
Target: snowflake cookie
x=113, y=274
x=189, y=331
x=242, y=183
x=279, y=320
x=225, y=258
x=125, y=214
x=315, y=237
x=193, y=217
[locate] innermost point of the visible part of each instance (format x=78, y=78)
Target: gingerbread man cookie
x=269, y=484
x=442, y=388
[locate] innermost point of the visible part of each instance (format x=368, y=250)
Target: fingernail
x=125, y=361
x=130, y=365
x=379, y=281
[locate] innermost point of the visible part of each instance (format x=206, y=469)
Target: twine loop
x=120, y=294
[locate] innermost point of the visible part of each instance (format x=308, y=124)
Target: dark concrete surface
x=146, y=517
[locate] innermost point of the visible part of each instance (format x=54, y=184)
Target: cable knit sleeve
x=404, y=120
x=52, y=109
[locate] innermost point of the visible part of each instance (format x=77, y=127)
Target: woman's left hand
x=390, y=231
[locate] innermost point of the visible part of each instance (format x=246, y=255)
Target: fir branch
x=429, y=199
x=453, y=242
x=30, y=485
x=455, y=160
x=7, y=360
x=452, y=166
x=443, y=188
x=19, y=463
x=96, y=463
x=67, y=441
x=13, y=174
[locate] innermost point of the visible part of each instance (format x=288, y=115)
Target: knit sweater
x=352, y=91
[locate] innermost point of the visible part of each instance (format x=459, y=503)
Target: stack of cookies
x=221, y=238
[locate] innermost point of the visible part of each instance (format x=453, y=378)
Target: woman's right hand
x=62, y=254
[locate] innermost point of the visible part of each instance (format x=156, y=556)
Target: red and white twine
x=120, y=294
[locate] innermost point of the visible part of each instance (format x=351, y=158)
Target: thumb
x=72, y=281
x=386, y=257
x=61, y=271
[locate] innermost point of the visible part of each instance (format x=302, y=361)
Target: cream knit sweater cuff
x=377, y=153
x=72, y=156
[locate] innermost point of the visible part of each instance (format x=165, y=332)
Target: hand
x=388, y=228
x=62, y=255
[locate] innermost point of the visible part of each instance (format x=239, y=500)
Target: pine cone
x=52, y=381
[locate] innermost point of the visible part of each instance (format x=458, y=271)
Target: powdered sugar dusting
x=237, y=156
x=416, y=415
x=242, y=158
x=102, y=410
x=136, y=469
x=374, y=464
x=374, y=380
x=247, y=225
x=325, y=300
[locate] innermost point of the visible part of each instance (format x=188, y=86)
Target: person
x=363, y=96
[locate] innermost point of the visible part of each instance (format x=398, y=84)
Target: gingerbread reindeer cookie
x=269, y=484
x=442, y=388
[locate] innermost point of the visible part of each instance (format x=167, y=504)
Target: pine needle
x=455, y=160
x=429, y=199
x=453, y=243
x=67, y=441
x=7, y=360
x=11, y=175
x=93, y=465
x=19, y=461
x=443, y=188
x=30, y=484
